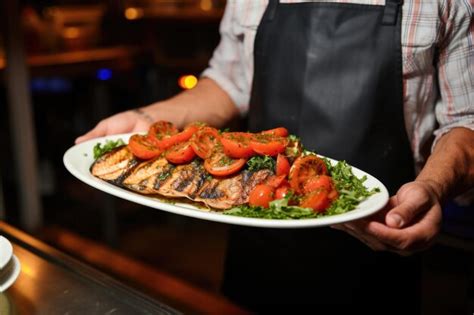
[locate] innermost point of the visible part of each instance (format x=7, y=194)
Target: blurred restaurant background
x=66, y=64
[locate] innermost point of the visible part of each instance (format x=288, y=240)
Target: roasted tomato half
x=204, y=141
x=280, y=132
x=142, y=148
x=268, y=144
x=303, y=169
x=160, y=133
x=237, y=144
x=165, y=136
x=180, y=153
x=219, y=164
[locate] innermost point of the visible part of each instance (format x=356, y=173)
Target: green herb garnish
x=257, y=163
x=278, y=209
x=109, y=145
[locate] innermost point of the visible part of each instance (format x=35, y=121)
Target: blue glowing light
x=104, y=74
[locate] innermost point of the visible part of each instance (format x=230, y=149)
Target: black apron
x=332, y=74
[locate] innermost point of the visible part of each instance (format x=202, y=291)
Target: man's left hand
x=409, y=222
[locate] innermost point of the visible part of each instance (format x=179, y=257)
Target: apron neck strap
x=390, y=14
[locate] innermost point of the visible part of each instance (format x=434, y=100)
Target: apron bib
x=332, y=74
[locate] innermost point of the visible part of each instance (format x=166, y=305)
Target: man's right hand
x=125, y=122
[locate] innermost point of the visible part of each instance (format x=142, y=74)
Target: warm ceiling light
x=133, y=13
x=71, y=32
x=206, y=5
x=187, y=82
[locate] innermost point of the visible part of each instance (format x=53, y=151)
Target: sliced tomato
x=280, y=132
x=282, y=191
x=204, y=141
x=166, y=138
x=303, y=169
x=282, y=165
x=219, y=164
x=276, y=181
x=318, y=182
x=261, y=195
x=180, y=153
x=159, y=131
x=142, y=148
x=267, y=144
x=317, y=200
x=237, y=144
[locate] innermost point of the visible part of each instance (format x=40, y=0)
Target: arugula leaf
x=257, y=163
x=109, y=145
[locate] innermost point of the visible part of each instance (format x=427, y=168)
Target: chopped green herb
x=109, y=145
x=257, y=163
x=164, y=176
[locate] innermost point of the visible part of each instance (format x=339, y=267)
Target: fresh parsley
x=257, y=163
x=109, y=145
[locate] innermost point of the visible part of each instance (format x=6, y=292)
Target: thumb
x=411, y=200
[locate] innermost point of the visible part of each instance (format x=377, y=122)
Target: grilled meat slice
x=147, y=177
x=115, y=165
x=229, y=192
x=184, y=181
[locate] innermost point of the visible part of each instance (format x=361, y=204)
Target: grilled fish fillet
x=158, y=176
x=114, y=166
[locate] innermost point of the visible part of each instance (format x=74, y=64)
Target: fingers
x=412, y=238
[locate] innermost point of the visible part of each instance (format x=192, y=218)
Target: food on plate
x=266, y=174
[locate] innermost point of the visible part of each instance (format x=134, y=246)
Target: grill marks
x=191, y=181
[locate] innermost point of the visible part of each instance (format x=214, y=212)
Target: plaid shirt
x=438, y=63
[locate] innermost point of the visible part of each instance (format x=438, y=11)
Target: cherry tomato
x=219, y=164
x=282, y=191
x=180, y=153
x=282, y=165
x=237, y=144
x=142, y=148
x=303, y=169
x=317, y=200
x=204, y=140
x=318, y=182
x=261, y=195
x=267, y=144
x=280, y=132
x=160, y=131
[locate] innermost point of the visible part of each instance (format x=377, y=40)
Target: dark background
x=143, y=56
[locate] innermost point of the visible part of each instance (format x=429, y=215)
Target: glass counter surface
x=52, y=282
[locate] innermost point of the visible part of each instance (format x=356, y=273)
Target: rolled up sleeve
x=455, y=108
x=226, y=66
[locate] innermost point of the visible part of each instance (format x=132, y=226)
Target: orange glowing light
x=71, y=32
x=187, y=82
x=133, y=13
x=206, y=5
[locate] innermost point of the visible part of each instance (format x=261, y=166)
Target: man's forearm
x=450, y=168
x=207, y=102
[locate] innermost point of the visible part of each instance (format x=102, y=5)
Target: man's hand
x=129, y=121
x=409, y=223
x=207, y=102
